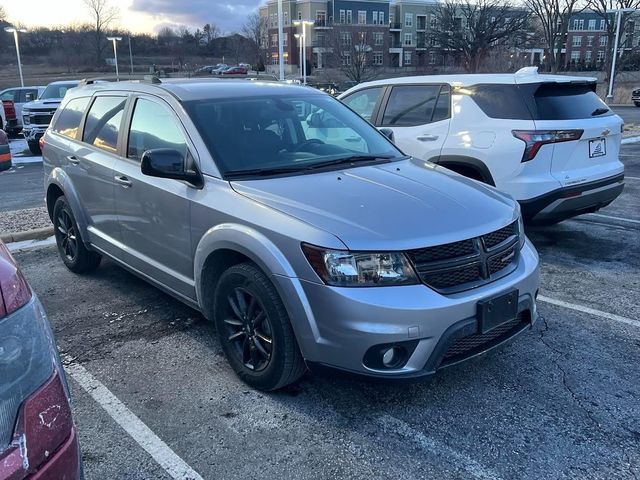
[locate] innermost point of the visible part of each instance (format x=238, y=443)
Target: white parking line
x=620, y=219
x=143, y=435
x=440, y=450
x=632, y=178
x=31, y=244
x=590, y=311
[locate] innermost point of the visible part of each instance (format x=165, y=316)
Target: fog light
x=390, y=357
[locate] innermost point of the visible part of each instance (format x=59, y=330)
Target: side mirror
x=169, y=163
x=387, y=132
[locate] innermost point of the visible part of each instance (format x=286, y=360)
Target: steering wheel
x=306, y=143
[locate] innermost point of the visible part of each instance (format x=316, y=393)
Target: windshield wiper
x=599, y=111
x=352, y=159
x=261, y=172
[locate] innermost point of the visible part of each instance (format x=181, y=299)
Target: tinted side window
x=28, y=95
x=364, y=101
x=500, y=101
x=411, y=105
x=442, y=110
x=103, y=123
x=557, y=101
x=68, y=121
x=154, y=126
x=9, y=95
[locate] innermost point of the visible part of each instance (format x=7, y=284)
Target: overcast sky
x=136, y=15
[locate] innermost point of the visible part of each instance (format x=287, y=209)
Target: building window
x=375, y=18
x=321, y=18
x=343, y=16
x=575, y=56
x=433, y=22
x=274, y=40
x=575, y=24
x=581, y=24
x=362, y=17
x=346, y=59
x=408, y=39
x=590, y=41
x=432, y=58
x=381, y=18
x=602, y=25
x=285, y=39
x=407, y=58
x=603, y=40
x=592, y=25
x=408, y=19
x=346, y=39
x=391, y=18
x=378, y=38
x=587, y=56
x=377, y=58
x=600, y=55
x=349, y=17
x=577, y=41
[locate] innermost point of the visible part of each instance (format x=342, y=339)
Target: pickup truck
x=37, y=115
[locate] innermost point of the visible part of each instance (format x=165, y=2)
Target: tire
x=254, y=329
x=75, y=255
x=34, y=147
x=637, y=104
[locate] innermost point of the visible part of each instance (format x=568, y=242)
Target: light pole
x=303, y=35
x=619, y=12
x=115, y=53
x=130, y=55
x=15, y=38
x=299, y=37
x=280, y=42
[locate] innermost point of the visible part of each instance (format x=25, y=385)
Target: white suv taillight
x=535, y=139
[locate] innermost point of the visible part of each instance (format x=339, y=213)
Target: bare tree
x=255, y=29
x=210, y=32
x=610, y=21
x=3, y=14
x=103, y=15
x=553, y=21
x=471, y=28
x=352, y=53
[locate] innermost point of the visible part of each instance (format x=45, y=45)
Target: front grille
x=465, y=347
x=41, y=119
x=458, y=266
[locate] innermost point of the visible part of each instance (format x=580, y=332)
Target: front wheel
x=75, y=255
x=254, y=329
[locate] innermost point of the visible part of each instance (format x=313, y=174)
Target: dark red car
x=5, y=152
x=235, y=71
x=38, y=439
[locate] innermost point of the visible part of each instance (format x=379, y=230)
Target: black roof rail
x=122, y=78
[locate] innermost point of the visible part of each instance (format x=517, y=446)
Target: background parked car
x=37, y=115
x=20, y=96
x=5, y=151
x=219, y=69
x=548, y=141
x=37, y=435
x=204, y=70
x=11, y=121
x=635, y=97
x=235, y=71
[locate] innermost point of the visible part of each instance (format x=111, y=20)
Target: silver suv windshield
x=58, y=90
x=263, y=136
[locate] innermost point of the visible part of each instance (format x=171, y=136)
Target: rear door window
x=154, y=126
x=412, y=105
x=559, y=101
x=364, y=101
x=103, y=123
x=68, y=121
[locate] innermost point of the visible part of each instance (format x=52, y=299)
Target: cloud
x=228, y=15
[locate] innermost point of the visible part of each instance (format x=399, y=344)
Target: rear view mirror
x=387, y=132
x=169, y=163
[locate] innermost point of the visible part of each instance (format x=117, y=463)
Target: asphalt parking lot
x=559, y=402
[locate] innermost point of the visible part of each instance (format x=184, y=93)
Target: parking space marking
x=620, y=219
x=140, y=432
x=439, y=449
x=590, y=311
x=632, y=178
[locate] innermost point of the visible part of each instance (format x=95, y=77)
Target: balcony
x=395, y=26
x=321, y=23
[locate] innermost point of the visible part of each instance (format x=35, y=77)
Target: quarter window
x=364, y=101
x=9, y=95
x=68, y=122
x=413, y=105
x=154, y=126
x=103, y=123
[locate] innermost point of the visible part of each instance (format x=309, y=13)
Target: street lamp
x=280, y=42
x=299, y=37
x=619, y=12
x=303, y=35
x=15, y=38
x=115, y=53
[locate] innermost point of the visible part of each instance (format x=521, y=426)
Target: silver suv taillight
x=535, y=139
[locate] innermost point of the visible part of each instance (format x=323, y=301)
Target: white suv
x=546, y=140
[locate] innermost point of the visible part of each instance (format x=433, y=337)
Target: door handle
x=73, y=159
x=427, y=138
x=122, y=181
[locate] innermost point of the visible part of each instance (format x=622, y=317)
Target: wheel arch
x=467, y=166
x=58, y=184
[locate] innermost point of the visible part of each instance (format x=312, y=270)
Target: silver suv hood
x=395, y=206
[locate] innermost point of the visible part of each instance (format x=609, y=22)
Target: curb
x=35, y=234
x=628, y=140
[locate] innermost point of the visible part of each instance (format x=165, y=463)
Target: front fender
x=59, y=178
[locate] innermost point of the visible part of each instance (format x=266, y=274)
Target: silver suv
x=292, y=223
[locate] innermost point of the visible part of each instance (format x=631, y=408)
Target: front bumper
x=570, y=201
x=336, y=327
x=33, y=134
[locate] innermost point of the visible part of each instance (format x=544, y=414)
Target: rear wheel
x=34, y=147
x=254, y=329
x=71, y=248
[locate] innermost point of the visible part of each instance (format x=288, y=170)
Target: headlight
x=341, y=268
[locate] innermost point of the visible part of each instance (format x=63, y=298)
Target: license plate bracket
x=493, y=312
x=597, y=147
